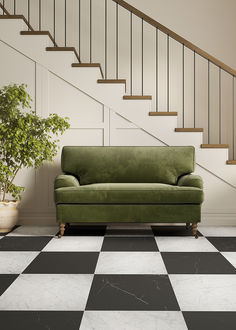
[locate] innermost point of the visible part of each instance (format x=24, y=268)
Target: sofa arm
x=191, y=180
x=64, y=180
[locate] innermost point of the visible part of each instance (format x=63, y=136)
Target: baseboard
x=37, y=218
x=49, y=218
x=218, y=219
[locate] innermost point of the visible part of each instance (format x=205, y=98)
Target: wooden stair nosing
x=163, y=113
x=63, y=49
x=40, y=33
x=137, y=97
x=221, y=146
x=111, y=81
x=231, y=162
x=17, y=17
x=188, y=129
x=88, y=65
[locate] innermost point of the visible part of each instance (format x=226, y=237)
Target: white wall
x=209, y=24
x=91, y=124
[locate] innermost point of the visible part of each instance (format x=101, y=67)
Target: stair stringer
x=219, y=202
x=60, y=63
x=136, y=111
x=219, y=196
x=213, y=160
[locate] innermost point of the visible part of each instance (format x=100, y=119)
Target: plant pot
x=8, y=215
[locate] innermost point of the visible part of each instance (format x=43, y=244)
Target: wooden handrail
x=176, y=37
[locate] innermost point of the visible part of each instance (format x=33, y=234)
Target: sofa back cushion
x=127, y=164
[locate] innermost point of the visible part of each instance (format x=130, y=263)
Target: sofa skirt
x=128, y=213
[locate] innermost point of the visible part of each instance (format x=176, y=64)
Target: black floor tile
x=40, y=320
x=23, y=243
x=196, y=263
x=210, y=320
x=132, y=292
x=224, y=244
x=63, y=263
x=172, y=231
x=5, y=281
x=129, y=244
x=74, y=230
x=129, y=232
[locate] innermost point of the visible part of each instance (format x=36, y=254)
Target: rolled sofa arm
x=191, y=180
x=64, y=180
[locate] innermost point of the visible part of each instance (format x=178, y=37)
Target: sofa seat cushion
x=128, y=193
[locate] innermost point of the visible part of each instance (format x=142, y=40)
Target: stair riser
x=159, y=126
x=215, y=161
x=216, y=156
x=11, y=34
x=60, y=64
x=32, y=46
x=11, y=26
x=135, y=111
x=43, y=41
x=87, y=78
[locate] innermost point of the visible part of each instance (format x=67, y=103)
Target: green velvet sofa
x=128, y=184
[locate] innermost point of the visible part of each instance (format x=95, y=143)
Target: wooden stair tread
x=188, y=129
x=163, y=113
x=63, y=49
x=10, y=16
x=214, y=146
x=111, y=81
x=88, y=65
x=17, y=17
x=137, y=97
x=60, y=49
x=231, y=162
x=39, y=33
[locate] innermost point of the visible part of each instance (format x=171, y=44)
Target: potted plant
x=26, y=140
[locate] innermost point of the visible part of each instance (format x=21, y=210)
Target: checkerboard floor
x=130, y=278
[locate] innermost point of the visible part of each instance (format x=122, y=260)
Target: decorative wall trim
x=208, y=219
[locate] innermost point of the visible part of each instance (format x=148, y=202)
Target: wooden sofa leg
x=194, y=229
x=62, y=230
x=187, y=225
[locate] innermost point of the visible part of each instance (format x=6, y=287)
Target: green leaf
x=26, y=140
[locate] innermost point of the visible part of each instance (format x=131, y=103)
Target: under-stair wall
x=98, y=116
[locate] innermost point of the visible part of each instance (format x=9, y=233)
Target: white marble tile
x=47, y=292
x=184, y=244
x=15, y=262
x=231, y=257
x=218, y=230
x=75, y=243
x=130, y=263
x=34, y=231
x=205, y=292
x=132, y=320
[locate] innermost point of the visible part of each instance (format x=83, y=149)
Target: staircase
x=137, y=108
